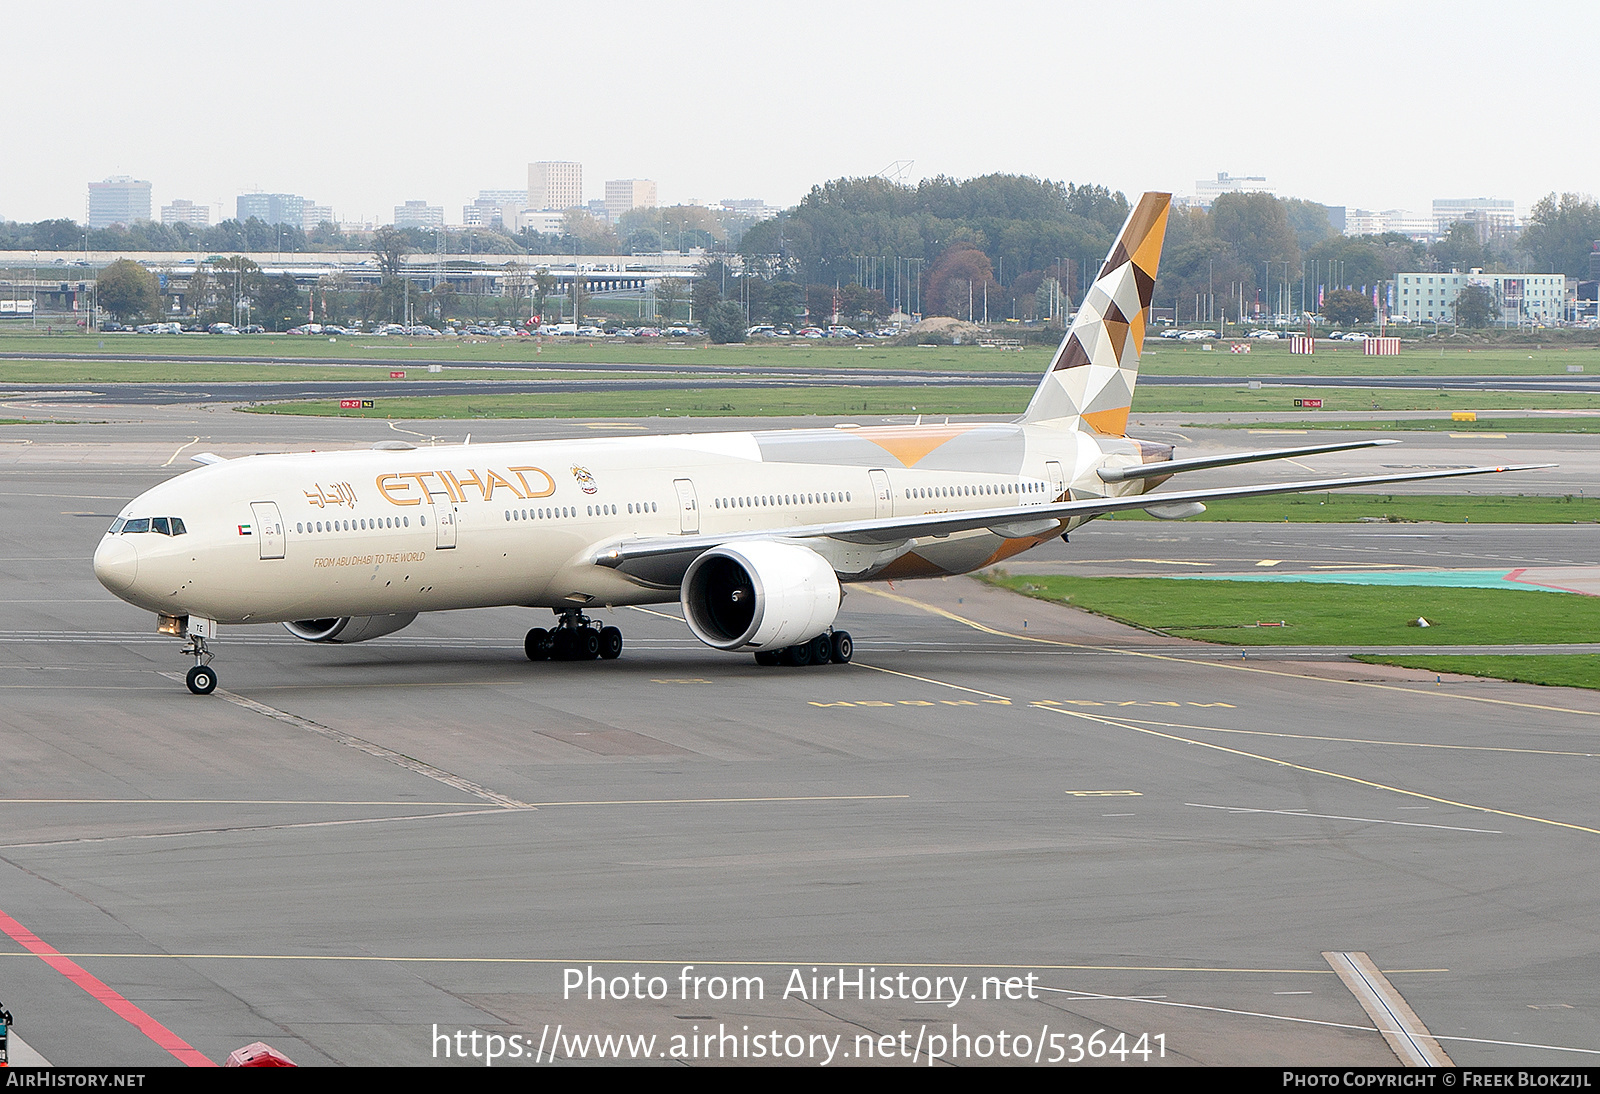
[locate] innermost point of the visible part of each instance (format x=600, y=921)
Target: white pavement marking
x=1331, y=816
x=426, y=770
x=21, y=1054
x=1393, y=1016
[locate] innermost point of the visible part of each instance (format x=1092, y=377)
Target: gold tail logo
x=1089, y=384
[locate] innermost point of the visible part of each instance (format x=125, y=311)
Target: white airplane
x=753, y=533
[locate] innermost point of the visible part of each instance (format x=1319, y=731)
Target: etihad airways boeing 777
x=753, y=533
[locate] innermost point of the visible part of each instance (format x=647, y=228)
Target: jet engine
x=759, y=596
x=350, y=628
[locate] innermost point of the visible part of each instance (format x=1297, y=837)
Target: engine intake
x=759, y=596
x=349, y=628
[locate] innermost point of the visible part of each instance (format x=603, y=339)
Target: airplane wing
x=662, y=560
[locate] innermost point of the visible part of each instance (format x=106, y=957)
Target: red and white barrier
x=1381, y=347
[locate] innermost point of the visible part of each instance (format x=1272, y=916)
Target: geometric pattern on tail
x=1089, y=384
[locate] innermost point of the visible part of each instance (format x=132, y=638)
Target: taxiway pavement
x=348, y=850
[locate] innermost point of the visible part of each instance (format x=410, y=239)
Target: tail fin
x=1089, y=384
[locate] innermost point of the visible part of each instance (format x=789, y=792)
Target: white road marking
x=1331, y=816
x=21, y=1054
x=426, y=770
x=1389, y=1011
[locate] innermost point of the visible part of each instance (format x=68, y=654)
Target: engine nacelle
x=350, y=628
x=759, y=596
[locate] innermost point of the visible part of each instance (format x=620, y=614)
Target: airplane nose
x=116, y=563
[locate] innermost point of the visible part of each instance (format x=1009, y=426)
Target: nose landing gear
x=576, y=637
x=202, y=679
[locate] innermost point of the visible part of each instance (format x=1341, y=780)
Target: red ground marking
x=96, y=987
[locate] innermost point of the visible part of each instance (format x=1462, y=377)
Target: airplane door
x=882, y=494
x=269, y=528
x=444, y=519
x=688, y=507
x=1058, y=481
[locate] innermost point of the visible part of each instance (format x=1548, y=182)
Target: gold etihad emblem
x=414, y=488
x=340, y=493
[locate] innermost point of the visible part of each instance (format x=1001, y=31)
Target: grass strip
x=683, y=402
x=1339, y=507
x=1575, y=424
x=1233, y=612
x=1559, y=670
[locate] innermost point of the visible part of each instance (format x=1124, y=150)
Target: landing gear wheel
x=588, y=644
x=799, y=656
x=821, y=649
x=202, y=680
x=844, y=647
x=537, y=644
x=767, y=657
x=610, y=643
x=561, y=645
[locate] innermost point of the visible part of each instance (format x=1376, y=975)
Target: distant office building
x=625, y=194
x=186, y=212
x=313, y=216
x=285, y=209
x=555, y=185
x=1431, y=297
x=118, y=200
x=418, y=214
x=754, y=208
x=596, y=208
x=495, y=209
x=1365, y=222
x=1494, y=218
x=1207, y=190
x=548, y=221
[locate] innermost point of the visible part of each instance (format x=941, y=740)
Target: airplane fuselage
x=380, y=532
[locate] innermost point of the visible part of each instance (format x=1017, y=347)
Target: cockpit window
x=116, y=526
x=167, y=526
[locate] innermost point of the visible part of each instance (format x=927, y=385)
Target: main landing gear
x=576, y=637
x=202, y=679
x=837, y=648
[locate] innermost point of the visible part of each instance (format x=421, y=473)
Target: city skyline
x=1297, y=97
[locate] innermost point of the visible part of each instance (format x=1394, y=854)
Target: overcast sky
x=1375, y=105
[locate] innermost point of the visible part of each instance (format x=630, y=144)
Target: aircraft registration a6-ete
x=753, y=533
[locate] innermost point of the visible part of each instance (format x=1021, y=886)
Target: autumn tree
x=957, y=283
x=1346, y=307
x=127, y=290
x=1560, y=233
x=1476, y=306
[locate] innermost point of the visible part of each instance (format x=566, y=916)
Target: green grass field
x=684, y=402
x=1573, y=424
x=1562, y=670
x=838, y=399
x=1323, y=615
x=1153, y=399
x=1161, y=357
x=1340, y=507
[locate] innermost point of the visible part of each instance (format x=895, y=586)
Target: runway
x=351, y=850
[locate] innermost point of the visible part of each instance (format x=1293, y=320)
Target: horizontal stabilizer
x=1172, y=467
x=209, y=458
